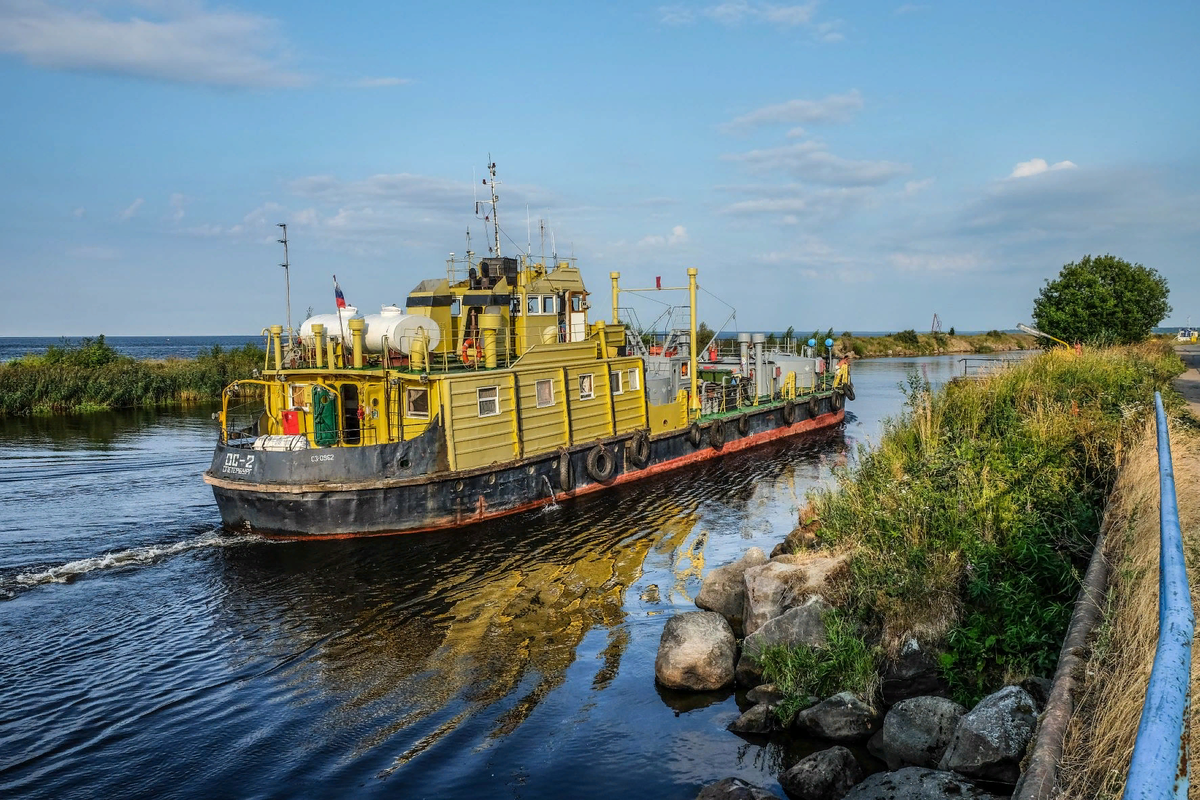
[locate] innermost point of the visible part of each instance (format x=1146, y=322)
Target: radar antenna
x=287, y=282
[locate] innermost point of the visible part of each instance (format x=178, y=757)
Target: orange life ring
x=469, y=353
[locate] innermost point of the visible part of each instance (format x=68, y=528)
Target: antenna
x=495, y=219
x=287, y=282
x=542, y=230
x=528, y=233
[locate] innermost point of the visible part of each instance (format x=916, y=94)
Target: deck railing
x=1160, y=767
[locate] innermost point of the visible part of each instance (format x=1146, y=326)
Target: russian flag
x=338, y=297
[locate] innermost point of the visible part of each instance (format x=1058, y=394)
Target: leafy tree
x=1103, y=300
x=704, y=335
x=790, y=333
x=951, y=330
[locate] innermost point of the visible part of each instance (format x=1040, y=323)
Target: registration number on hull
x=237, y=464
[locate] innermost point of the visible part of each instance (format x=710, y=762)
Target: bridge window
x=548, y=304
x=633, y=379
x=416, y=403
x=615, y=377
x=489, y=401
x=545, y=393
x=587, y=386
x=535, y=304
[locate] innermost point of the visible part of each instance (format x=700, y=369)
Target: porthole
x=458, y=486
x=491, y=479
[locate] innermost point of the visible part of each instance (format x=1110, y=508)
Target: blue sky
x=859, y=166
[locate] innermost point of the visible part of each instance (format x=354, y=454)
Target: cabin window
x=489, y=401
x=416, y=403
x=587, y=387
x=548, y=304
x=577, y=302
x=632, y=382
x=455, y=307
x=545, y=393
x=300, y=396
x=615, y=377
x=534, y=304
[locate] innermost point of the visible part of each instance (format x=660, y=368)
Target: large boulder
x=747, y=672
x=723, y=590
x=802, y=625
x=990, y=740
x=771, y=589
x=841, y=718
x=734, y=789
x=916, y=732
x=916, y=783
x=697, y=652
x=826, y=775
x=767, y=693
x=758, y=719
x=915, y=672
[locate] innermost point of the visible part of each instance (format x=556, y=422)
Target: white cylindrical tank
x=400, y=329
x=335, y=325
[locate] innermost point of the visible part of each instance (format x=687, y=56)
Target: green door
x=325, y=424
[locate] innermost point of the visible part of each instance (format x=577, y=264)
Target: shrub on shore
x=92, y=376
x=972, y=520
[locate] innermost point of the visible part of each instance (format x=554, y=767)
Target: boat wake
x=132, y=557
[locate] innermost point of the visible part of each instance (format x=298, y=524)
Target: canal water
x=147, y=654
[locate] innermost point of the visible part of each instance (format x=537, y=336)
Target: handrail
x=1160, y=767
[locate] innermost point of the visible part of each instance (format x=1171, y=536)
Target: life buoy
x=837, y=401
x=848, y=388
x=789, y=412
x=814, y=406
x=716, y=434
x=469, y=353
x=601, y=464
x=639, y=449
x=743, y=424
x=564, y=470
x=694, y=435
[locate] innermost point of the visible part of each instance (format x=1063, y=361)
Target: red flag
x=658, y=282
x=338, y=297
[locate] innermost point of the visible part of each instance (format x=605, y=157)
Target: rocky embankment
x=932, y=747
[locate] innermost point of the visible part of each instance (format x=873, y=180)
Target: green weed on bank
x=972, y=520
x=92, y=376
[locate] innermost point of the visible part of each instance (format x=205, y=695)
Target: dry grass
x=1100, y=737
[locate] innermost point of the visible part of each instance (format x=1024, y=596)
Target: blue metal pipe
x=1160, y=767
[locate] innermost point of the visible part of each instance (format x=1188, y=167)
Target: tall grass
x=910, y=342
x=971, y=521
x=93, y=376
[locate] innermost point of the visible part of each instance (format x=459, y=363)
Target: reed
x=971, y=522
x=92, y=376
x=911, y=343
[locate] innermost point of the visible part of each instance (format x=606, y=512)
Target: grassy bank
x=92, y=376
x=971, y=521
x=911, y=343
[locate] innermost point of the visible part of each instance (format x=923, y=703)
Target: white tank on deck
x=400, y=329
x=335, y=325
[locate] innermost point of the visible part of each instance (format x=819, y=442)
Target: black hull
x=386, y=501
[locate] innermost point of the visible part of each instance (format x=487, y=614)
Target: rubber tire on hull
x=716, y=435
x=814, y=406
x=694, y=434
x=848, y=388
x=601, y=464
x=837, y=401
x=743, y=424
x=564, y=470
x=789, y=412
x=639, y=449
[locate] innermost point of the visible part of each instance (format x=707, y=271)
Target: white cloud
x=132, y=209
x=910, y=8
x=377, y=83
x=915, y=187
x=834, y=108
x=79, y=212
x=812, y=161
x=735, y=13
x=1036, y=166
x=796, y=133
x=177, y=203
x=936, y=262
x=678, y=235
x=184, y=42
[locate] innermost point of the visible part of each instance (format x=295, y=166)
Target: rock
x=804, y=624
x=734, y=789
x=766, y=693
x=747, y=672
x=723, y=590
x=771, y=589
x=916, y=732
x=696, y=652
x=990, y=740
x=915, y=673
x=841, y=718
x=759, y=719
x=826, y=775
x=916, y=783
x=1039, y=689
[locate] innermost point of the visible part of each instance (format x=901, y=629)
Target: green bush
x=908, y=338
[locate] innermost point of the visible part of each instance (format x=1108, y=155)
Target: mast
x=287, y=282
x=495, y=219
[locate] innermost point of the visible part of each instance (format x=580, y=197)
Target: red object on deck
x=291, y=423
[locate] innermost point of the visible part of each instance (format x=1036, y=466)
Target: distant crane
x=936, y=325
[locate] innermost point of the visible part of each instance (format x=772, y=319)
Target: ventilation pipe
x=319, y=337
x=760, y=368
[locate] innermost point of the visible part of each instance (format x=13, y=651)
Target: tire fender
x=601, y=464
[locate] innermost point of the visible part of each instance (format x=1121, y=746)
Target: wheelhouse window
x=416, y=403
x=577, y=302
x=545, y=393
x=489, y=401
x=548, y=304
x=587, y=387
x=632, y=380
x=535, y=304
x=615, y=377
